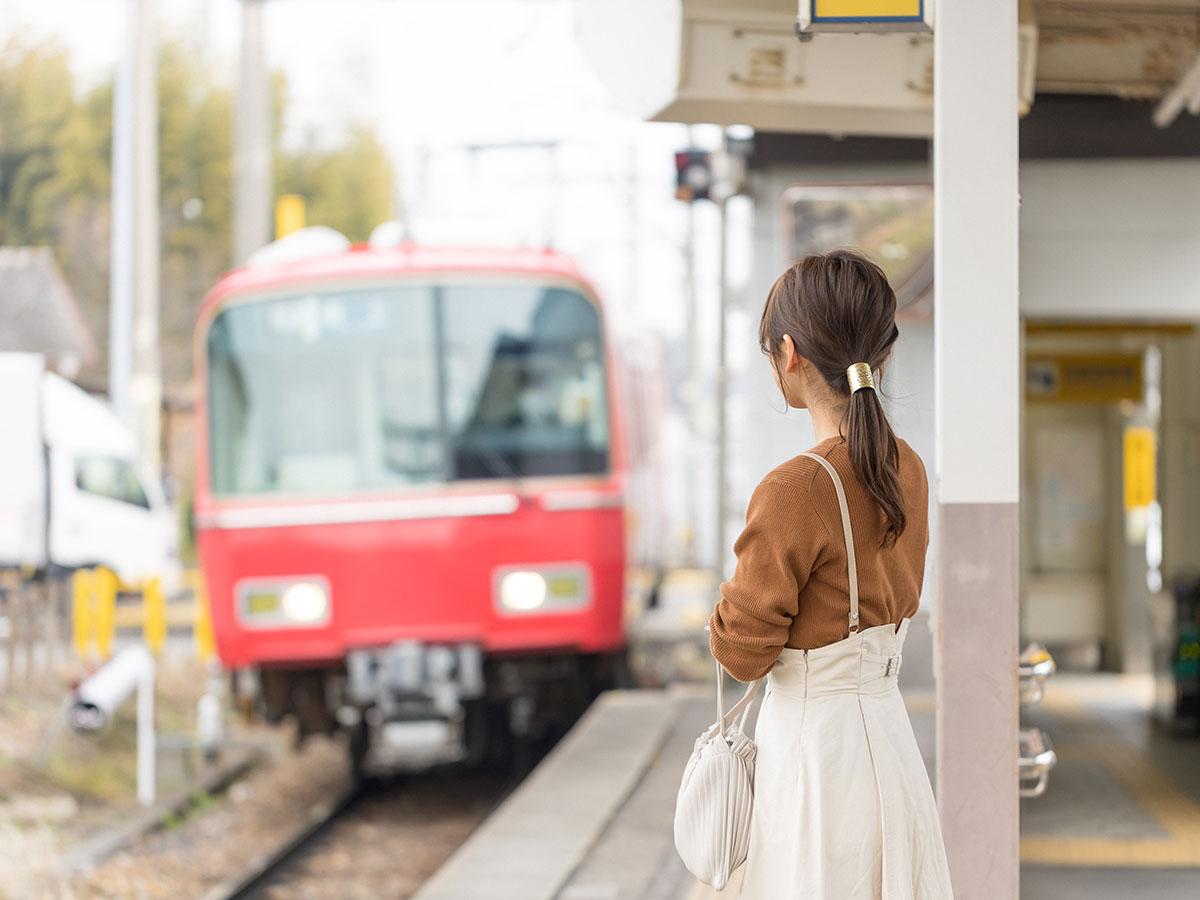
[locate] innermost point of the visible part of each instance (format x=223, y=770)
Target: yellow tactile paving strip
x=1176, y=812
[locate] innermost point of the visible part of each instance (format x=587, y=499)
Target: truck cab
x=78, y=495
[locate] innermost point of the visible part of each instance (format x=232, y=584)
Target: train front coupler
x=404, y=705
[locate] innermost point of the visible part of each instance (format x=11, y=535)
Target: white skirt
x=843, y=809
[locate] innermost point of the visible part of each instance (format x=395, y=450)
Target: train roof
x=363, y=261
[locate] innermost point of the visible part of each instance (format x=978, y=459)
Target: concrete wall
x=1110, y=238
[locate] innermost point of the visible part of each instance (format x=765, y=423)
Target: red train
x=411, y=494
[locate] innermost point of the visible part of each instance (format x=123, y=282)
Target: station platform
x=1121, y=816
x=1124, y=793
x=594, y=820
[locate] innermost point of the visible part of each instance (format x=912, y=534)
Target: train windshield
x=352, y=390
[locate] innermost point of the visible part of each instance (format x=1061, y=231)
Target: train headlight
x=301, y=602
x=305, y=603
x=522, y=591
x=557, y=587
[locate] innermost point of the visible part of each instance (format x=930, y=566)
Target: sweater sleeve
x=775, y=554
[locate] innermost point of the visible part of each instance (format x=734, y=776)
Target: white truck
x=73, y=492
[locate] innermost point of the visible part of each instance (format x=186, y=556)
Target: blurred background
x=514, y=143
x=382, y=397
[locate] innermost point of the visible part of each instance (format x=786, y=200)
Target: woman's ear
x=788, y=354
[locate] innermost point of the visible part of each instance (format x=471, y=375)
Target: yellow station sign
x=1140, y=469
x=865, y=15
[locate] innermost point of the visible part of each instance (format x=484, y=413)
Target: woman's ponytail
x=875, y=456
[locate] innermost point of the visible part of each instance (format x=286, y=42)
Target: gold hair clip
x=860, y=376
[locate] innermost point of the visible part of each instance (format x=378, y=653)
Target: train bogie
x=411, y=706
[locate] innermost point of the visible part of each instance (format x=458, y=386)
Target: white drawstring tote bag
x=712, y=809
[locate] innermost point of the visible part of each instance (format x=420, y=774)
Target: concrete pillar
x=977, y=378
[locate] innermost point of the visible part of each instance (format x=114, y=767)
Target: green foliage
x=36, y=103
x=55, y=184
x=54, y=176
x=348, y=189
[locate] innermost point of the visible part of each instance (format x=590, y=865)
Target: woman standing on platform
x=829, y=571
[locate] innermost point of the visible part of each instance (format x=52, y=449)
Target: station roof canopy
x=740, y=62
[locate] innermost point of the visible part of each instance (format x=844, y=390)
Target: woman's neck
x=827, y=422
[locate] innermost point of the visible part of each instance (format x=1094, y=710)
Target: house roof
x=38, y=312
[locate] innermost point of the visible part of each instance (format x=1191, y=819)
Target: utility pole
x=120, y=284
x=632, y=235
x=145, y=386
x=554, y=167
x=252, y=187
x=692, y=391
x=729, y=177
x=722, y=546
x=691, y=316
x=135, y=371
x=715, y=176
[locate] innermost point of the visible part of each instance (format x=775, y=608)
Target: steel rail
x=269, y=864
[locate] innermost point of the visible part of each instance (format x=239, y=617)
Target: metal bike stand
x=1037, y=756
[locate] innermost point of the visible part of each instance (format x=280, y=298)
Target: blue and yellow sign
x=1083, y=378
x=865, y=15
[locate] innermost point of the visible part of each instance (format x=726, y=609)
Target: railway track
x=249, y=882
x=378, y=838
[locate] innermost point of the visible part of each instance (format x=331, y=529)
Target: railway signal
x=714, y=175
x=693, y=175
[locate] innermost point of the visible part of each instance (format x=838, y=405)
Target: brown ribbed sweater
x=791, y=587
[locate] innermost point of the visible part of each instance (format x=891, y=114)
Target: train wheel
x=358, y=742
x=477, y=733
x=622, y=671
x=611, y=672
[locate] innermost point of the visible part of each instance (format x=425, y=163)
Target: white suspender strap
x=847, y=533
